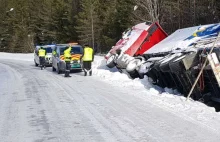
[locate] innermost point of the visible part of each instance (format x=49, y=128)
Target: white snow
x=17, y=56
x=142, y=26
x=167, y=99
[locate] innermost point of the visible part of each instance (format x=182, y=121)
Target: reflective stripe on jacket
x=88, y=54
x=42, y=53
x=67, y=54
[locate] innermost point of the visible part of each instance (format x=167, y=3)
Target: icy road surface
x=42, y=106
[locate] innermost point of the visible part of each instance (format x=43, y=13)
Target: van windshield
x=74, y=50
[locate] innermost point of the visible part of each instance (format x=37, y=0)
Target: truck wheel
x=119, y=69
x=35, y=63
x=132, y=65
x=110, y=61
x=133, y=74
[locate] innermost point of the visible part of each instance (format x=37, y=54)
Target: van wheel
x=35, y=63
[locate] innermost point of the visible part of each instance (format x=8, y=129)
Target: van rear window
x=74, y=50
x=48, y=49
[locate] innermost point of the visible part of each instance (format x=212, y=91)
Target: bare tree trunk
x=171, y=18
x=178, y=3
x=194, y=16
x=152, y=7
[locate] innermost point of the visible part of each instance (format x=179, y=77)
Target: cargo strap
x=206, y=60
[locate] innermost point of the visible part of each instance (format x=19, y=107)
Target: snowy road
x=38, y=106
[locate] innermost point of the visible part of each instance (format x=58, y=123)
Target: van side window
x=58, y=51
x=54, y=51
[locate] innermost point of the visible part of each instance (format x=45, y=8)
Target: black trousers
x=42, y=61
x=68, y=65
x=67, y=71
x=87, y=65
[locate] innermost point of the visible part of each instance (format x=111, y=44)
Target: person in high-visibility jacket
x=87, y=57
x=42, y=53
x=67, y=59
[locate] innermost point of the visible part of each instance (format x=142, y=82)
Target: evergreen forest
x=99, y=23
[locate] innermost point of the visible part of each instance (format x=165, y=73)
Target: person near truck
x=67, y=59
x=87, y=58
x=42, y=53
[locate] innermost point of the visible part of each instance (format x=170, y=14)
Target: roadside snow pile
x=116, y=78
x=167, y=99
x=17, y=56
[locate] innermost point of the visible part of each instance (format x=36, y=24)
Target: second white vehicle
x=48, y=58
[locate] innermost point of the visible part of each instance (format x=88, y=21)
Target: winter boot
x=85, y=73
x=67, y=73
x=90, y=73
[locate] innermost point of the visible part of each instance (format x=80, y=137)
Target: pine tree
x=88, y=22
x=117, y=18
x=63, y=19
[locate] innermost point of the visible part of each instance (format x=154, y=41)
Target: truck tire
x=110, y=63
x=133, y=74
x=132, y=65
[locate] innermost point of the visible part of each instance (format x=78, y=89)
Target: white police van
x=48, y=58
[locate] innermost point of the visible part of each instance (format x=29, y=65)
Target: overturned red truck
x=135, y=42
x=174, y=61
x=177, y=62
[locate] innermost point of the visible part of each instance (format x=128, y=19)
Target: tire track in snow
x=97, y=114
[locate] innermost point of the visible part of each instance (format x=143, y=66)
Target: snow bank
x=17, y=56
x=167, y=99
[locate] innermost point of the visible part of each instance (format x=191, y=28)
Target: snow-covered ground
x=166, y=99
x=17, y=56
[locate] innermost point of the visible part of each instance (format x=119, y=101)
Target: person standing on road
x=42, y=53
x=67, y=58
x=87, y=57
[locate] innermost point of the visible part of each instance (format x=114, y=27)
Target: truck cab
x=134, y=43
